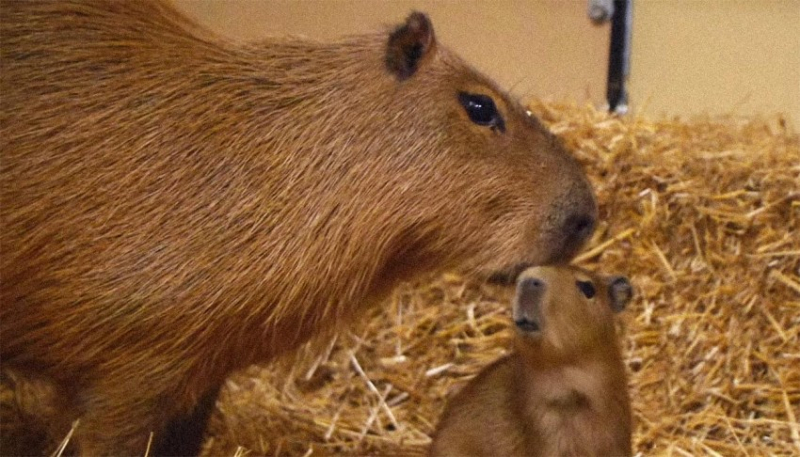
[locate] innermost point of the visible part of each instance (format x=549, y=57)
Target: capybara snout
x=578, y=227
x=527, y=305
x=577, y=218
x=176, y=207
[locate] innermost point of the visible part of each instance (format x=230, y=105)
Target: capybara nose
x=580, y=227
x=527, y=325
x=577, y=228
x=530, y=285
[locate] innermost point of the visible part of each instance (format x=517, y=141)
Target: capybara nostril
x=534, y=283
x=531, y=284
x=527, y=325
x=578, y=228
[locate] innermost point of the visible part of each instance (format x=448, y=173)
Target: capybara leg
x=35, y=414
x=184, y=435
x=118, y=418
x=107, y=435
x=20, y=432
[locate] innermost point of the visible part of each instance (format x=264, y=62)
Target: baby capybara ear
x=409, y=44
x=620, y=292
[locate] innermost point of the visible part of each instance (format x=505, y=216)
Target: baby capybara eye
x=586, y=287
x=482, y=110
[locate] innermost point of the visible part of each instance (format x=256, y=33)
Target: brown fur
x=176, y=207
x=563, y=390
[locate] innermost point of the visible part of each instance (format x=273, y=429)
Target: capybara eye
x=482, y=110
x=586, y=287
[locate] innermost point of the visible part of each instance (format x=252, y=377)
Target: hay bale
x=703, y=216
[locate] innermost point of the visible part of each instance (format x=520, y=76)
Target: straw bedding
x=702, y=215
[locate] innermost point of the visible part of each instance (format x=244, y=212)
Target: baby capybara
x=176, y=206
x=563, y=390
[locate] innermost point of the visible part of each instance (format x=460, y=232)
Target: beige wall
x=543, y=48
x=688, y=56
x=716, y=56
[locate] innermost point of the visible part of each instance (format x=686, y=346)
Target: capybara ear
x=620, y=292
x=409, y=44
x=527, y=305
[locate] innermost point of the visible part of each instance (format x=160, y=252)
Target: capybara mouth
x=567, y=249
x=509, y=276
x=527, y=325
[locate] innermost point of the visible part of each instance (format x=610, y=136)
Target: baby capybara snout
x=526, y=309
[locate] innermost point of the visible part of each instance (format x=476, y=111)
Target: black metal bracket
x=619, y=57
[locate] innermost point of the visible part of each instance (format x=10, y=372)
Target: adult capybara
x=563, y=390
x=176, y=207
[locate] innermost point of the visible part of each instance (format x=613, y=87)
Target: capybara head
x=566, y=308
x=385, y=145
x=470, y=175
